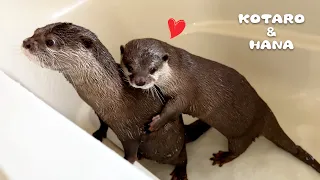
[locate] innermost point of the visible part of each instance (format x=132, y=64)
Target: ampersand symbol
x=270, y=32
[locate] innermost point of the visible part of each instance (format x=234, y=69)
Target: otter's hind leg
x=180, y=171
x=236, y=147
x=194, y=130
x=102, y=131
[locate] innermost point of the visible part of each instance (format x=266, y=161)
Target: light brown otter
x=206, y=89
x=85, y=62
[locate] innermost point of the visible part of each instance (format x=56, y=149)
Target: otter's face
x=59, y=46
x=142, y=71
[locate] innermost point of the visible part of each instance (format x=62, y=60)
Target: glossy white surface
x=287, y=81
x=39, y=143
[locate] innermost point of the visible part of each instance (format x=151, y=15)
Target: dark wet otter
x=85, y=62
x=206, y=89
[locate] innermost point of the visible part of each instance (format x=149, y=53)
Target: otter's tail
x=275, y=134
x=194, y=130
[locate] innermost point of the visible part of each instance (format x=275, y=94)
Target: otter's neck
x=174, y=73
x=97, y=81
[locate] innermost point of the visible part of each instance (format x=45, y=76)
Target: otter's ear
x=87, y=42
x=121, y=49
x=165, y=57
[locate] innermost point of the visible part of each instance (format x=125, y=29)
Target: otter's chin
x=32, y=57
x=146, y=86
x=39, y=61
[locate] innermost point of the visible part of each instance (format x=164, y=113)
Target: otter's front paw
x=146, y=128
x=179, y=173
x=99, y=135
x=154, y=125
x=139, y=156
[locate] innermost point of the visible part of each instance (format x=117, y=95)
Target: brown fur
x=211, y=91
x=85, y=62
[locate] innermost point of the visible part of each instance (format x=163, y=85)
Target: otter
x=85, y=62
x=211, y=91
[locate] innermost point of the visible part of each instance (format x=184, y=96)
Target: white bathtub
x=287, y=81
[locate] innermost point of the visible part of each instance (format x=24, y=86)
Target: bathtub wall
x=212, y=31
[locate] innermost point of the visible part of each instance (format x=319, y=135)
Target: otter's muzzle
x=29, y=43
x=138, y=80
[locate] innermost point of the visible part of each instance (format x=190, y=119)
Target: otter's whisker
x=148, y=91
x=153, y=92
x=159, y=94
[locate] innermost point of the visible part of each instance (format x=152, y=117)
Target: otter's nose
x=28, y=43
x=140, y=81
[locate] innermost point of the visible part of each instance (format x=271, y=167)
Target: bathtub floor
x=298, y=114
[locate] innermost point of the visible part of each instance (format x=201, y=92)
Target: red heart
x=176, y=28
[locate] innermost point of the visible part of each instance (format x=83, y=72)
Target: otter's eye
x=130, y=69
x=153, y=70
x=50, y=42
x=165, y=57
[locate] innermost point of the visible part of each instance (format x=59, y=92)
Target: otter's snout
x=28, y=43
x=139, y=80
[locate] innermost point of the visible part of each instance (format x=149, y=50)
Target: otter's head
x=144, y=62
x=60, y=46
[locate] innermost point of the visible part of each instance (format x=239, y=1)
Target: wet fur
x=213, y=92
x=89, y=67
